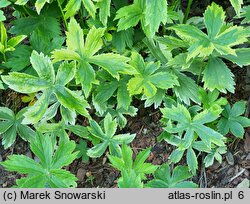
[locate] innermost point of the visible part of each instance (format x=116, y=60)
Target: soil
x=98, y=173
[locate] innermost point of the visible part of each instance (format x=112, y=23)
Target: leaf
x=241, y=58
x=190, y=127
x=72, y=8
x=244, y=184
x=25, y=83
x=19, y=58
x=22, y=164
x=61, y=178
x=123, y=39
x=74, y=40
x=218, y=76
x=108, y=138
x=63, y=156
x=46, y=172
x=214, y=18
x=149, y=13
x=2, y=17
x=104, y=11
x=154, y=14
x=71, y=100
x=125, y=164
x=82, y=149
x=130, y=180
x=45, y=43
x=4, y=3
x=39, y=5
x=38, y=110
x=66, y=73
x=232, y=121
x=246, y=14
x=237, y=5
x=93, y=41
x=187, y=89
x=90, y=7
x=10, y=125
x=26, y=25
x=48, y=83
x=147, y=79
x=163, y=178
x=220, y=38
x=129, y=16
x=192, y=160
x=43, y=66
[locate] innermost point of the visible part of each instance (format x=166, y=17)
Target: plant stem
x=26, y=11
x=199, y=77
x=187, y=11
x=4, y=57
x=63, y=16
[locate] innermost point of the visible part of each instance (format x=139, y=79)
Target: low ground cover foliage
x=91, y=59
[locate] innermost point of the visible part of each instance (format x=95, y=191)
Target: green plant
x=49, y=84
x=233, y=120
x=11, y=125
x=219, y=42
x=164, y=179
x=8, y=45
x=47, y=172
x=189, y=129
x=133, y=172
x=107, y=138
x=84, y=53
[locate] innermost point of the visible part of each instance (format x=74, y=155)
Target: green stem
x=4, y=57
x=63, y=16
x=26, y=11
x=187, y=11
x=199, y=77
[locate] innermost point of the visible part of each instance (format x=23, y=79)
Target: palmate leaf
x=192, y=126
x=150, y=13
x=148, y=78
x=49, y=84
x=218, y=42
x=233, y=121
x=215, y=154
x=191, y=157
x=119, y=114
x=163, y=178
x=111, y=87
x=108, y=138
x=217, y=38
x=26, y=25
x=84, y=54
x=138, y=168
x=11, y=126
x=47, y=172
